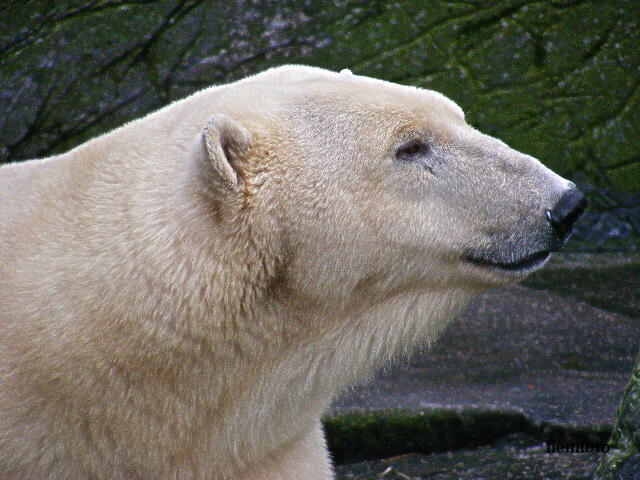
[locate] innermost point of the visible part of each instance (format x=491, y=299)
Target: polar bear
x=183, y=297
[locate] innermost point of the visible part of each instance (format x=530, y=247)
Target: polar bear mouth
x=528, y=262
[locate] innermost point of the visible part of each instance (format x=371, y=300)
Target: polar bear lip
x=528, y=262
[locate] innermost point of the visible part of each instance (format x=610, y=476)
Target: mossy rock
x=357, y=436
x=622, y=462
x=557, y=79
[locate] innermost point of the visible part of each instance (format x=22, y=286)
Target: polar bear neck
x=297, y=381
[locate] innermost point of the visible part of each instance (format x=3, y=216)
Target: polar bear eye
x=412, y=150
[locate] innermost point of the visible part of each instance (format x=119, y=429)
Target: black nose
x=566, y=212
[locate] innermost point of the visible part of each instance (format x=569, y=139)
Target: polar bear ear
x=225, y=141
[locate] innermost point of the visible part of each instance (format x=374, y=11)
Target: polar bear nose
x=565, y=213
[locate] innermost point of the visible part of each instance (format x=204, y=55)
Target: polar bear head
x=371, y=188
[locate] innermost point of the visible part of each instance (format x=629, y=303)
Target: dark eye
x=412, y=150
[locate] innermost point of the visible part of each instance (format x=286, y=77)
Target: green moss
x=627, y=177
x=358, y=436
x=365, y=436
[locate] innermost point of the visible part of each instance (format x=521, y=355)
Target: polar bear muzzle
x=524, y=258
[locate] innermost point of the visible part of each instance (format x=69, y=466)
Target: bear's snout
x=525, y=252
x=565, y=213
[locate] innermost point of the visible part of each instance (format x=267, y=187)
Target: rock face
x=623, y=460
x=559, y=79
